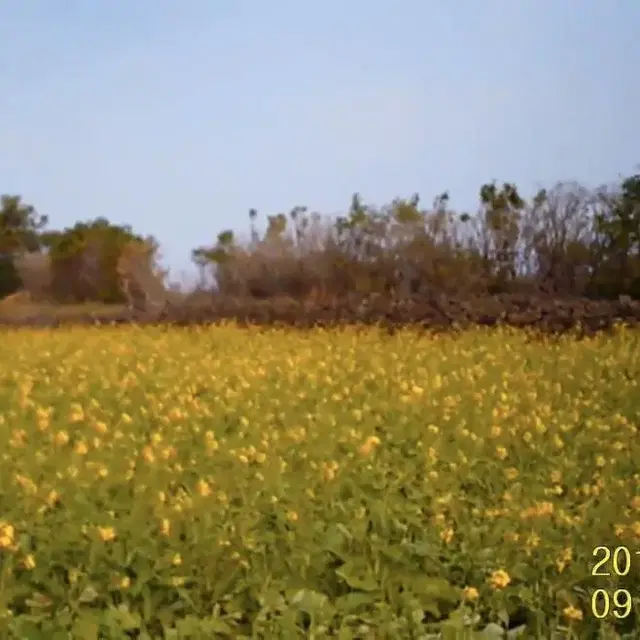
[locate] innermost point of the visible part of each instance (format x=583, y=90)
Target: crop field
x=244, y=483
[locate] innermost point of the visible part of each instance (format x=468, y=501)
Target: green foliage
x=619, y=225
x=20, y=225
x=9, y=278
x=565, y=240
x=84, y=261
x=246, y=484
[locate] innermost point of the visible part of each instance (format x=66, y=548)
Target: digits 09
x=619, y=603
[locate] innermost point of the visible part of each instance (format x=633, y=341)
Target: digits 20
x=620, y=561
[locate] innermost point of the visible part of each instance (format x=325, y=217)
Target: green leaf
x=38, y=601
x=392, y=553
x=88, y=595
x=189, y=627
x=334, y=539
x=358, y=575
x=493, y=631
x=27, y=630
x=352, y=602
x=124, y=619
x=422, y=549
x=272, y=600
x=428, y=589
x=86, y=628
x=219, y=627
x=503, y=616
x=311, y=602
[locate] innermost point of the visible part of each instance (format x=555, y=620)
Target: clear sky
x=178, y=116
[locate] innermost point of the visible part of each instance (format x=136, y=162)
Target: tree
x=619, y=225
x=20, y=227
x=84, y=261
x=502, y=209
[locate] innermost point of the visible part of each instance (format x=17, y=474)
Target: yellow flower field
x=229, y=482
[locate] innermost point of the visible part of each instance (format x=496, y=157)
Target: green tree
x=20, y=229
x=84, y=261
x=619, y=225
x=502, y=208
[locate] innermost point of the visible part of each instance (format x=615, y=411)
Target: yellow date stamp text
x=612, y=562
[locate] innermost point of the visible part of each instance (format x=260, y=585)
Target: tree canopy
x=566, y=240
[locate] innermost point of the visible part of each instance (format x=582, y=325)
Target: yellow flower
x=499, y=579
x=125, y=582
x=7, y=535
x=292, y=516
x=43, y=418
x=328, y=473
x=81, y=448
x=61, y=438
x=107, y=534
x=210, y=441
x=165, y=526
x=53, y=498
x=447, y=535
x=176, y=561
x=512, y=473
x=572, y=613
x=531, y=542
x=100, y=427
x=29, y=562
x=369, y=445
x=26, y=483
x=564, y=559
x=538, y=510
x=470, y=594
x=77, y=413
x=501, y=452
x=203, y=488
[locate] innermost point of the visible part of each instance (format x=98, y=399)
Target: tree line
x=568, y=240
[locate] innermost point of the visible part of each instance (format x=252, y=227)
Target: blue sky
x=177, y=117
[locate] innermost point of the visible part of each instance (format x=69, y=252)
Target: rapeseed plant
x=329, y=461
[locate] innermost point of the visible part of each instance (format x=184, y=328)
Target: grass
x=16, y=307
x=235, y=483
